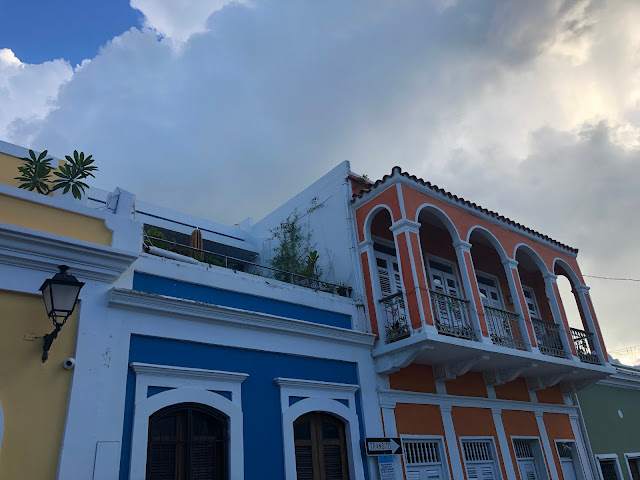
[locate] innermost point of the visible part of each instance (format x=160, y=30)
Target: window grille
x=565, y=450
x=523, y=448
x=419, y=452
x=477, y=450
x=609, y=471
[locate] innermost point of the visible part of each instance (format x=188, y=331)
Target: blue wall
x=263, y=447
x=215, y=296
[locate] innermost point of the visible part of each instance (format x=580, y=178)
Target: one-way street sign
x=383, y=446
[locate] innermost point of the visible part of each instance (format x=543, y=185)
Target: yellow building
x=38, y=233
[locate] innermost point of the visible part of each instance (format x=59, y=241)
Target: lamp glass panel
x=46, y=294
x=64, y=297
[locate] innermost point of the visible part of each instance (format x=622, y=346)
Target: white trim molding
x=609, y=456
x=170, y=306
x=22, y=247
x=319, y=397
x=188, y=385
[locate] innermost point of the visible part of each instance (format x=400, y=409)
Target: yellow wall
x=9, y=169
x=23, y=213
x=33, y=395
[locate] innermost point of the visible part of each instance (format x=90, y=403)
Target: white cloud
x=27, y=91
x=178, y=20
x=533, y=113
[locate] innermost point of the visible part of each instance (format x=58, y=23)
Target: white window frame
x=538, y=455
x=627, y=457
x=454, y=266
x=609, y=456
x=187, y=385
x=577, y=459
x=496, y=456
x=498, y=287
x=319, y=397
x=444, y=459
x=535, y=300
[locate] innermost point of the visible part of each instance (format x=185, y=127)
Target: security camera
x=69, y=363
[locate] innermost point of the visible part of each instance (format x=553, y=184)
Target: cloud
x=28, y=92
x=531, y=111
x=179, y=20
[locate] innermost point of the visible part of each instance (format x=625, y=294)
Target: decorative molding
x=296, y=383
x=451, y=370
x=395, y=360
x=510, y=262
x=462, y=245
x=582, y=289
x=170, y=306
x=405, y=225
x=185, y=372
x=550, y=276
x=364, y=245
x=22, y=247
x=500, y=376
x=545, y=381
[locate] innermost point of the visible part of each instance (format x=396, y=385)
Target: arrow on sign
x=383, y=446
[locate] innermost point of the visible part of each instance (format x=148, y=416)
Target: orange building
x=477, y=364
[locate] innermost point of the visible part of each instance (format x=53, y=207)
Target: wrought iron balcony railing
x=396, y=324
x=451, y=315
x=503, y=327
x=584, y=346
x=548, y=338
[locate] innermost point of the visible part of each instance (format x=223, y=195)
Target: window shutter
x=304, y=462
x=161, y=462
x=333, y=462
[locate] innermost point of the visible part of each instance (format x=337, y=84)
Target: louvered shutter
x=304, y=462
x=413, y=474
x=333, y=462
x=527, y=470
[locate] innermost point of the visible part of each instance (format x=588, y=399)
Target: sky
x=225, y=109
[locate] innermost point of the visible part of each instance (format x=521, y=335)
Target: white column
x=452, y=443
x=511, y=271
x=565, y=337
x=504, y=443
x=388, y=408
x=580, y=447
x=463, y=248
x=546, y=446
x=582, y=291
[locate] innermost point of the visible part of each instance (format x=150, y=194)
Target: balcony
x=504, y=329
x=548, y=338
x=395, y=317
x=451, y=315
x=585, y=348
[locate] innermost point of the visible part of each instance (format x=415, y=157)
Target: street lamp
x=60, y=294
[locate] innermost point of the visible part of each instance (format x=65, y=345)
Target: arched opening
x=187, y=441
x=495, y=292
x=389, y=280
x=530, y=270
x=449, y=306
x=321, y=447
x=572, y=307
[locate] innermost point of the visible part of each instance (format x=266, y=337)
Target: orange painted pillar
x=406, y=235
x=517, y=296
x=592, y=322
x=367, y=260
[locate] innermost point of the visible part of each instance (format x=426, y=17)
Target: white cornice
x=300, y=384
x=400, y=396
x=405, y=225
x=184, y=372
x=399, y=178
x=170, y=306
x=27, y=248
x=622, y=379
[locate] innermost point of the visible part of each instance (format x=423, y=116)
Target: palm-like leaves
x=70, y=174
x=36, y=170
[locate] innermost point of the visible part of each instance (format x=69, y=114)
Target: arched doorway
x=187, y=441
x=321, y=447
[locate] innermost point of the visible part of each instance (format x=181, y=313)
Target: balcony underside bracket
x=394, y=361
x=500, y=376
x=546, y=381
x=575, y=386
x=451, y=370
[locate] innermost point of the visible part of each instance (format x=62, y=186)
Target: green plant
x=35, y=173
x=157, y=238
x=294, y=254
